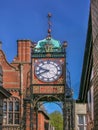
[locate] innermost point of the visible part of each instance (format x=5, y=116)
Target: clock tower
x=48, y=73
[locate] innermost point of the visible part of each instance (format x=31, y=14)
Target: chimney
x=24, y=50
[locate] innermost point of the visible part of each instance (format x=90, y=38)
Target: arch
x=40, y=98
x=61, y=107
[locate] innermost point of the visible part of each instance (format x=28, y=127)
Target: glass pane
x=81, y=119
x=5, y=106
x=10, y=106
x=4, y=118
x=10, y=119
x=16, y=118
x=16, y=106
x=81, y=128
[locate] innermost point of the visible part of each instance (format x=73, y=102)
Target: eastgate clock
x=48, y=71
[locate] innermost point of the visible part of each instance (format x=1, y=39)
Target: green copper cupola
x=48, y=44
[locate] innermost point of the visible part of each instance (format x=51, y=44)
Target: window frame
x=7, y=112
x=84, y=124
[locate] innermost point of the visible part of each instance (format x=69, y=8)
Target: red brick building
x=16, y=79
x=3, y=94
x=43, y=121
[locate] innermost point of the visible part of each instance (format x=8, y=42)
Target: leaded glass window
x=11, y=111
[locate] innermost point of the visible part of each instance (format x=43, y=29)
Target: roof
x=44, y=113
x=87, y=65
x=48, y=44
x=4, y=92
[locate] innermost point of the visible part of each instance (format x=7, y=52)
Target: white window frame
x=84, y=124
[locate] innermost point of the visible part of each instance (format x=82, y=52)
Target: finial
x=49, y=25
x=65, y=44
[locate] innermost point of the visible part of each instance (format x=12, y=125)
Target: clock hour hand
x=43, y=70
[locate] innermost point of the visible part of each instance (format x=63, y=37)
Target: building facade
x=94, y=14
x=80, y=116
x=89, y=79
x=86, y=85
x=16, y=80
x=3, y=95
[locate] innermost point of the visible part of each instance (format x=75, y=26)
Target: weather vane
x=49, y=25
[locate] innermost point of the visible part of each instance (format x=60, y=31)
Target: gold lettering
x=48, y=48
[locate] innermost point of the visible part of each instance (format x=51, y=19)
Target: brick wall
x=94, y=14
x=16, y=77
x=43, y=121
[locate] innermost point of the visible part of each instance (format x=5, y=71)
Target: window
x=82, y=122
x=16, y=118
x=16, y=106
x=81, y=119
x=5, y=106
x=5, y=118
x=81, y=128
x=46, y=125
x=11, y=111
x=11, y=106
x=10, y=119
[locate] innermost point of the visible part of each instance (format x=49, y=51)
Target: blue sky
x=27, y=19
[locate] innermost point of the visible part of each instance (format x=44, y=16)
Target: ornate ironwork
x=50, y=96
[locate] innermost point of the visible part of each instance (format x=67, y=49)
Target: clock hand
x=43, y=70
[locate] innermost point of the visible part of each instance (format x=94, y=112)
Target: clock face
x=48, y=71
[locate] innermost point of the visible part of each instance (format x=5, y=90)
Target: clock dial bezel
x=48, y=71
